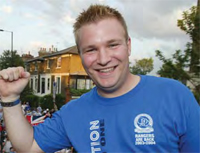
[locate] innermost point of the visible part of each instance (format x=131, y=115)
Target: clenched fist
x=12, y=82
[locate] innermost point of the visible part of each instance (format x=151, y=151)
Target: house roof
x=35, y=59
x=70, y=50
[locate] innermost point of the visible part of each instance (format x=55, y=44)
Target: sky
x=152, y=25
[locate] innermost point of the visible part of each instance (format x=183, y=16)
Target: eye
x=90, y=50
x=113, y=45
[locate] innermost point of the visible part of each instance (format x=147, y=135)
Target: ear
x=129, y=45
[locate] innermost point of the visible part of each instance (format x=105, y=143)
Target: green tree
x=142, y=66
x=175, y=67
x=10, y=59
x=190, y=58
x=190, y=23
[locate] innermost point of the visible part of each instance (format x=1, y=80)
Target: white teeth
x=107, y=70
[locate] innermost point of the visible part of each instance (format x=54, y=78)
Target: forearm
x=20, y=132
x=12, y=82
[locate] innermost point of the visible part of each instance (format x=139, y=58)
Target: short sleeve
x=190, y=139
x=51, y=135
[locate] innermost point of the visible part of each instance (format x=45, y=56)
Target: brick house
x=61, y=67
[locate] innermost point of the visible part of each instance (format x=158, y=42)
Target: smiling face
x=105, y=52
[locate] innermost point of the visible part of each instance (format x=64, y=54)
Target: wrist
x=10, y=103
x=8, y=99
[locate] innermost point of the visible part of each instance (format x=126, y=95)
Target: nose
x=104, y=57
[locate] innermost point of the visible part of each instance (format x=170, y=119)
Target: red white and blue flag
x=35, y=120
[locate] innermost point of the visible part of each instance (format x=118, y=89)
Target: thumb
x=25, y=74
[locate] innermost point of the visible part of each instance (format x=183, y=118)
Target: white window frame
x=47, y=91
x=33, y=82
x=58, y=86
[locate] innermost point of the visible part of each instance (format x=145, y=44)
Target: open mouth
x=107, y=70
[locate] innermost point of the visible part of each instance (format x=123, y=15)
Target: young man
x=123, y=113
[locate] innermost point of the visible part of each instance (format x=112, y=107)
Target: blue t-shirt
x=158, y=115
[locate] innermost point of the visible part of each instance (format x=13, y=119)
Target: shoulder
x=171, y=90
x=166, y=87
x=165, y=83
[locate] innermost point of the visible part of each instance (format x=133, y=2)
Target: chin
x=107, y=87
x=107, y=84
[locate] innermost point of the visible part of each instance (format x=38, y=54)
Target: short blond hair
x=96, y=13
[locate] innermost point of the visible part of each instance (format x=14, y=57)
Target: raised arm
x=20, y=132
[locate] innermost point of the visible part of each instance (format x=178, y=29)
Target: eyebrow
x=109, y=41
x=114, y=40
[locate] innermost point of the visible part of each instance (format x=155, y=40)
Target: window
x=36, y=84
x=89, y=84
x=43, y=85
x=73, y=83
x=81, y=84
x=48, y=84
x=58, y=85
x=48, y=64
x=59, y=62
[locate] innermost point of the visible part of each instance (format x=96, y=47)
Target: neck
x=129, y=83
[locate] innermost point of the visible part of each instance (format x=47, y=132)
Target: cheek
x=122, y=54
x=88, y=60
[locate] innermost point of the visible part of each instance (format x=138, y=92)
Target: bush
x=32, y=99
x=47, y=101
x=60, y=100
x=78, y=92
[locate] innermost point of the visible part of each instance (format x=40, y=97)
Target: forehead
x=106, y=23
x=104, y=29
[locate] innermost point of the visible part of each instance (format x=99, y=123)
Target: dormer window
x=48, y=64
x=59, y=62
